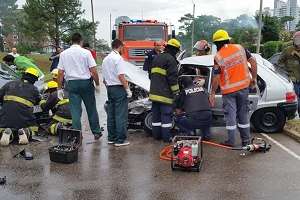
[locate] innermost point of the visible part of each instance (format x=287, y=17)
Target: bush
x=271, y=47
x=24, y=48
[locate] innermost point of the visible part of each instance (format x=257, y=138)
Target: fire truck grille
x=137, y=52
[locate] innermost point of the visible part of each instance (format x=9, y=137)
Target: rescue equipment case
x=67, y=149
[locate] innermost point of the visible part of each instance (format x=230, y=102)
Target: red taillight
x=290, y=97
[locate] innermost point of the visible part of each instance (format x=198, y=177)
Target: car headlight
x=137, y=110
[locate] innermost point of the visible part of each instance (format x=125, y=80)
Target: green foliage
x=54, y=18
x=7, y=13
x=271, y=28
x=271, y=48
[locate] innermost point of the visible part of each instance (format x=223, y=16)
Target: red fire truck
x=139, y=36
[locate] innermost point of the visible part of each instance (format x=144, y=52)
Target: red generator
x=187, y=153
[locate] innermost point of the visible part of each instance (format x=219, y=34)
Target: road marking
x=282, y=146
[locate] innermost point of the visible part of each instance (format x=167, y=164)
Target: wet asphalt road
x=136, y=173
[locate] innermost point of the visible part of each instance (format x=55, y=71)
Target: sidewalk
x=292, y=129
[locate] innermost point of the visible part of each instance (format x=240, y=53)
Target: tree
x=85, y=28
x=56, y=18
x=271, y=28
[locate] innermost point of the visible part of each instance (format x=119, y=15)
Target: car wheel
x=147, y=124
x=268, y=120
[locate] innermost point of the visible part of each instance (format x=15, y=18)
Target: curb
x=292, y=133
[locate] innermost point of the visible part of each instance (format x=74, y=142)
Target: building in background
x=289, y=8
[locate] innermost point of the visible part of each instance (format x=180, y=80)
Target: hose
x=166, y=152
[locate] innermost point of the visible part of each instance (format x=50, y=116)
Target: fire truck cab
x=139, y=36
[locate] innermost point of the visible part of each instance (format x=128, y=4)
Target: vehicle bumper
x=290, y=109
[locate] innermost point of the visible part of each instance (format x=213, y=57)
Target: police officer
x=163, y=90
x=18, y=98
x=232, y=74
x=193, y=109
x=290, y=61
x=61, y=114
x=150, y=55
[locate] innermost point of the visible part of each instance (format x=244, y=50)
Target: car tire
x=147, y=123
x=268, y=120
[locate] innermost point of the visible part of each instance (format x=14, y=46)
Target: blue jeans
x=297, y=91
x=83, y=90
x=117, y=114
x=199, y=120
x=161, y=121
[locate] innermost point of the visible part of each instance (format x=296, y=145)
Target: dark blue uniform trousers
x=161, y=121
x=198, y=120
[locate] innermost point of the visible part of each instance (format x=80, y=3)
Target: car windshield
x=154, y=33
x=6, y=71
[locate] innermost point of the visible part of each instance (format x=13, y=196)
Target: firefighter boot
x=24, y=134
x=6, y=137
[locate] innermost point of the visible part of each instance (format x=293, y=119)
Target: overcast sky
x=165, y=10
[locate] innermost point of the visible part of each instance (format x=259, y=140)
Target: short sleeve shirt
x=113, y=65
x=76, y=63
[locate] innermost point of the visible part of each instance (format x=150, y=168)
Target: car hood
x=137, y=76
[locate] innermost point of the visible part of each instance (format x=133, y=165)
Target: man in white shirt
x=78, y=67
x=118, y=92
x=14, y=52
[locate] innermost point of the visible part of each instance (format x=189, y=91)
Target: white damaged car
x=271, y=104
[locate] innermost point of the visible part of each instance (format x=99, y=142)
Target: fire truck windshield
x=154, y=33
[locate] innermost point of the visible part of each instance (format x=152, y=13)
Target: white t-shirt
x=112, y=67
x=14, y=54
x=76, y=63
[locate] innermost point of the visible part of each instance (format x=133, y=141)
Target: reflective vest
x=233, y=63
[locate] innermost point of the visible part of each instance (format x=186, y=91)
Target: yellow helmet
x=52, y=85
x=32, y=71
x=220, y=35
x=54, y=73
x=175, y=43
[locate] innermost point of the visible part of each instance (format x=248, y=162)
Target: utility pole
x=193, y=27
x=259, y=27
x=93, y=20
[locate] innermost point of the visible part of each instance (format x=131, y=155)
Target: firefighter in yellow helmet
x=232, y=74
x=61, y=115
x=164, y=89
x=17, y=99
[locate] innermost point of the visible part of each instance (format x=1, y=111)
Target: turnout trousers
x=236, y=110
x=161, y=121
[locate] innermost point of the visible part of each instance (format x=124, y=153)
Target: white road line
x=282, y=146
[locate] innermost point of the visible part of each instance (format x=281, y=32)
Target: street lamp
x=259, y=27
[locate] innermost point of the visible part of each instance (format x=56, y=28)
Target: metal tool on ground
x=256, y=145
x=3, y=180
x=187, y=153
x=24, y=154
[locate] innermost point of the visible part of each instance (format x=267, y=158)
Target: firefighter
x=59, y=108
x=54, y=74
x=232, y=74
x=290, y=61
x=164, y=89
x=18, y=98
x=192, y=107
x=202, y=48
x=150, y=55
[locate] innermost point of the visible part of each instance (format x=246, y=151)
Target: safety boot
x=6, y=135
x=23, y=136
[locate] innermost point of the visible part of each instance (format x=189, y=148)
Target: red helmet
x=201, y=45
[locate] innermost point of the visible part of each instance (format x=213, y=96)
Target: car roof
x=207, y=61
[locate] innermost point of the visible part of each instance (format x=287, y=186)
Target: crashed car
x=271, y=103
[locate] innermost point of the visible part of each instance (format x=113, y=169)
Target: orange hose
x=165, y=153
